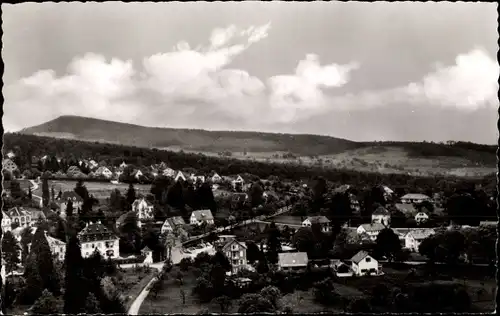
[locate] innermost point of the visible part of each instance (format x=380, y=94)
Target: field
x=373, y=159
x=98, y=189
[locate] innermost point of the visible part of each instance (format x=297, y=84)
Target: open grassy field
x=98, y=189
x=374, y=159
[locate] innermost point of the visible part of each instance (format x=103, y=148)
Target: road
x=33, y=188
x=177, y=255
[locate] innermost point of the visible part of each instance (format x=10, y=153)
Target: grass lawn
x=96, y=188
x=132, y=281
x=287, y=219
x=303, y=302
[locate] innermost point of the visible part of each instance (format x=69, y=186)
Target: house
x=57, y=247
x=97, y=236
x=36, y=215
x=180, y=176
x=104, y=172
x=138, y=174
x=171, y=224
x=340, y=269
x=236, y=253
x=364, y=264
x=414, y=198
x=169, y=172
x=144, y=210
x=382, y=216
x=238, y=183
x=216, y=178
x=321, y=220
x=93, y=164
x=371, y=230
x=6, y=222
x=148, y=253
x=488, y=223
x=421, y=217
x=123, y=165
x=75, y=199
x=387, y=191
x=414, y=237
x=9, y=165
x=198, y=217
x=292, y=261
x=194, y=178
x=19, y=216
x=11, y=155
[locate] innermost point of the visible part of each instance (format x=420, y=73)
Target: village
x=321, y=236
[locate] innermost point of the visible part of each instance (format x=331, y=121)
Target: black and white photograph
x=249, y=157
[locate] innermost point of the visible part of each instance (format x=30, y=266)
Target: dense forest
x=27, y=146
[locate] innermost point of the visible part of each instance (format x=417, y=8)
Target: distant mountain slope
x=91, y=129
x=309, y=149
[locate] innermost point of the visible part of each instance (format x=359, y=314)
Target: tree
x=40, y=250
x=11, y=251
x=45, y=192
x=15, y=189
x=359, y=305
x=74, y=294
x=183, y=296
x=45, y=304
x=273, y=243
x=131, y=196
x=81, y=190
x=324, y=292
x=255, y=303
x=256, y=193
x=30, y=195
x=92, y=305
x=303, y=240
x=272, y=294
x=69, y=208
x=253, y=252
x=224, y=302
x=52, y=193
x=157, y=287
x=26, y=237
x=388, y=244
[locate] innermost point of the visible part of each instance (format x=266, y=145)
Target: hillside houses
x=95, y=236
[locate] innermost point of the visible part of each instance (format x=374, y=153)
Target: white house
x=75, y=199
x=97, y=236
x=138, y=174
x=216, y=178
x=364, y=264
x=172, y=224
x=123, y=165
x=169, y=172
x=414, y=238
x=6, y=222
x=20, y=216
x=421, y=217
x=387, y=191
x=57, y=247
x=9, y=165
x=414, y=198
x=372, y=230
x=93, y=164
x=180, y=176
x=321, y=220
x=198, y=217
x=143, y=209
x=11, y=155
x=382, y=216
x=236, y=253
x=238, y=182
x=104, y=171
x=148, y=253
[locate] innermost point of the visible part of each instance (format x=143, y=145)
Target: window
x=241, y=253
x=93, y=245
x=368, y=259
x=241, y=262
x=86, y=254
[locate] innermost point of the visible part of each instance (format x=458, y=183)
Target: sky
x=406, y=71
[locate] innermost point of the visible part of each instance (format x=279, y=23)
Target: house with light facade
x=371, y=230
x=421, y=217
x=180, y=176
x=216, y=178
x=144, y=210
x=414, y=238
x=293, y=261
x=97, y=236
x=364, y=264
x=9, y=165
x=321, y=220
x=236, y=253
x=19, y=216
x=382, y=216
x=104, y=172
x=76, y=201
x=6, y=222
x=201, y=216
x=172, y=224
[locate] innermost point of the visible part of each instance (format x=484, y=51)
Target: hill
x=416, y=158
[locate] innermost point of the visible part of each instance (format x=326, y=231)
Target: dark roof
x=176, y=221
x=380, y=211
x=95, y=232
x=359, y=256
x=292, y=259
x=71, y=195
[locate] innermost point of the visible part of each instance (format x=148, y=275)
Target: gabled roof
x=373, y=227
x=176, y=221
x=343, y=188
x=17, y=211
x=359, y=256
x=318, y=219
x=202, y=215
x=415, y=196
x=419, y=234
x=71, y=195
x=54, y=242
x=5, y=216
x=293, y=259
x=146, y=249
x=95, y=232
x=232, y=241
x=381, y=211
x=102, y=169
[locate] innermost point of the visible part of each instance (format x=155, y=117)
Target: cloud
x=302, y=94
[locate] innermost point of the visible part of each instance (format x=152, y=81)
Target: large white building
x=144, y=210
x=97, y=236
x=382, y=216
x=201, y=216
x=414, y=238
x=364, y=264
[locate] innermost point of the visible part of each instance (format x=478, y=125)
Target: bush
x=46, y=304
